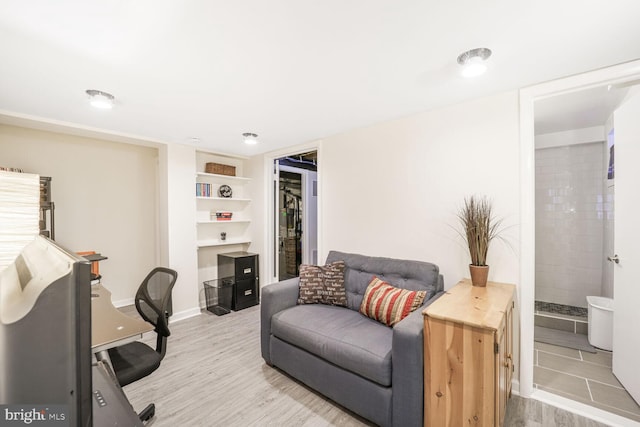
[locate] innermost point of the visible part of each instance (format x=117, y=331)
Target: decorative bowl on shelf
x=225, y=191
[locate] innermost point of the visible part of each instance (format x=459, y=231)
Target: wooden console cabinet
x=468, y=363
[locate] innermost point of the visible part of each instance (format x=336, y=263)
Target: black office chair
x=136, y=360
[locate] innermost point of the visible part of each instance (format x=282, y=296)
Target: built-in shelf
x=237, y=232
x=236, y=221
x=223, y=199
x=224, y=177
x=210, y=232
x=218, y=242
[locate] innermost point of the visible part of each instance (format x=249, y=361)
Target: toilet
x=600, y=317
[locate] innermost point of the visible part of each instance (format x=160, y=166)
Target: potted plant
x=479, y=228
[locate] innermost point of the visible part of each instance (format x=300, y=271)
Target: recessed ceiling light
x=194, y=140
x=474, y=61
x=250, y=138
x=100, y=99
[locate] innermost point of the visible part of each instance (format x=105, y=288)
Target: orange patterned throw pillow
x=388, y=304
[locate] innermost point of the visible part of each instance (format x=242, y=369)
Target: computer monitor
x=45, y=336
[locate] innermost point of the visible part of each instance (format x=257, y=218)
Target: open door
x=291, y=210
x=295, y=214
x=310, y=220
x=626, y=315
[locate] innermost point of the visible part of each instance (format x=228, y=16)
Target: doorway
x=296, y=213
x=530, y=100
x=574, y=235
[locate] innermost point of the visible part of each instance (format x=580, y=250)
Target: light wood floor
x=213, y=375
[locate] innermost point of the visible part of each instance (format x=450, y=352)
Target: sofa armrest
x=275, y=298
x=407, y=356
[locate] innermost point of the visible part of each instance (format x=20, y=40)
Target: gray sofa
x=372, y=369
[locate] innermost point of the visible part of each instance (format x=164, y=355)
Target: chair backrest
x=153, y=299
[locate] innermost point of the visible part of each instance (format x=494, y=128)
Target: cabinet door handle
x=507, y=360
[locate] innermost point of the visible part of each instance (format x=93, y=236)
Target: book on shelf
x=222, y=215
x=203, y=189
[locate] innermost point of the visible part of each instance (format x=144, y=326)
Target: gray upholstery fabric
x=275, y=298
x=361, y=396
x=342, y=337
x=400, y=405
x=360, y=270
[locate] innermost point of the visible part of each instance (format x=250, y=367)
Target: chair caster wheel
x=147, y=413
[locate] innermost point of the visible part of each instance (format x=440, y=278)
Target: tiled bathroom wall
x=570, y=214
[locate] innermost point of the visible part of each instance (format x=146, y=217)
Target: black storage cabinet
x=242, y=269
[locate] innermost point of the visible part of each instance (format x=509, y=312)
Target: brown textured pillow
x=388, y=304
x=322, y=284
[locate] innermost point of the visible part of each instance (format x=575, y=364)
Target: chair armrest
x=407, y=356
x=275, y=298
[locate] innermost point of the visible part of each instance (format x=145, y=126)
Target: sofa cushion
x=340, y=336
x=360, y=270
x=322, y=284
x=388, y=304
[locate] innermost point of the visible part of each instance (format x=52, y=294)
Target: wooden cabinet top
x=473, y=305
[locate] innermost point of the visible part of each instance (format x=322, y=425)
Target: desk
x=109, y=326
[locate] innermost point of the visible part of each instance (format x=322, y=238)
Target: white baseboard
x=515, y=387
x=582, y=409
x=576, y=407
x=124, y=302
x=185, y=314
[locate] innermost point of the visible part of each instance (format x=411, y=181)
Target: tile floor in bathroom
x=584, y=377
x=563, y=317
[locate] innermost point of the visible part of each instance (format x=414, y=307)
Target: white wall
x=255, y=169
x=181, y=225
x=393, y=189
x=105, y=198
x=133, y=203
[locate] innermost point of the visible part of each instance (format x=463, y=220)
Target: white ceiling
x=576, y=110
x=291, y=71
